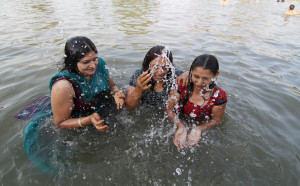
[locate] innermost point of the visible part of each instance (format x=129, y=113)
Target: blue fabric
x=39, y=153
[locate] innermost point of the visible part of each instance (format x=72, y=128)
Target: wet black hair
x=75, y=49
x=207, y=62
x=153, y=53
x=292, y=7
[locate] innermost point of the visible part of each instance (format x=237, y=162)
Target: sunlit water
x=258, y=50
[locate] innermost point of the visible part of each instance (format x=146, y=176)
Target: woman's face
x=88, y=64
x=159, y=67
x=202, y=78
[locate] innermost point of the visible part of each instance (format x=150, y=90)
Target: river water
x=258, y=47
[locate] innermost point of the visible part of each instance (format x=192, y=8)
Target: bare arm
x=134, y=94
x=172, y=101
x=184, y=77
x=62, y=104
x=195, y=134
x=217, y=114
x=181, y=133
x=117, y=94
x=113, y=86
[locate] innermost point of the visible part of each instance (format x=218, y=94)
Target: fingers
x=176, y=144
x=191, y=142
x=118, y=105
x=180, y=144
x=143, y=80
x=147, y=87
x=184, y=78
x=121, y=94
x=144, y=77
x=194, y=137
x=100, y=127
x=95, y=119
x=121, y=104
x=185, y=82
x=119, y=99
x=96, y=116
x=98, y=122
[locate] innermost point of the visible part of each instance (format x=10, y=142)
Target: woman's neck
x=159, y=86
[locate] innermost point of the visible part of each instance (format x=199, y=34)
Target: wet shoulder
x=180, y=88
x=134, y=77
x=102, y=68
x=178, y=72
x=219, y=95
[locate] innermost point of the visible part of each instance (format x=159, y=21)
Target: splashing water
x=216, y=94
x=178, y=171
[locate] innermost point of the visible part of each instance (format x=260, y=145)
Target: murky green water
x=258, y=50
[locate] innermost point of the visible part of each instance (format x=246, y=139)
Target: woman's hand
x=194, y=137
x=184, y=77
x=142, y=82
x=95, y=120
x=119, y=99
x=180, y=137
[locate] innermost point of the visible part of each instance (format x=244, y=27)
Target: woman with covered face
x=151, y=84
x=201, y=100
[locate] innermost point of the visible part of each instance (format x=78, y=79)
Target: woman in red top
x=201, y=100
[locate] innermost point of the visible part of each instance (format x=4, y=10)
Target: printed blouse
x=217, y=97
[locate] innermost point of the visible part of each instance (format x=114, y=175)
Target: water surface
x=258, y=50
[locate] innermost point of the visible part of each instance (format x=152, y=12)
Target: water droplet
x=216, y=94
x=178, y=171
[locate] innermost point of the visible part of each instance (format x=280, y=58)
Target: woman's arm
x=114, y=89
x=216, y=117
x=62, y=105
x=117, y=94
x=195, y=134
x=183, y=79
x=134, y=94
x=181, y=132
x=172, y=101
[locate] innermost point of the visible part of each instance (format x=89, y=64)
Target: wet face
x=88, y=64
x=159, y=67
x=202, y=78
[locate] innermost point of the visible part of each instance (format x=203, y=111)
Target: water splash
x=178, y=171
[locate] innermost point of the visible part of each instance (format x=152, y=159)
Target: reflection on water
x=257, y=47
x=133, y=17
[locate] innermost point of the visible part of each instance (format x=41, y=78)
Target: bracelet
x=135, y=98
x=113, y=94
x=79, y=122
x=116, y=90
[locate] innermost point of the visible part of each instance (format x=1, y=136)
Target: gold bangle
x=79, y=122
